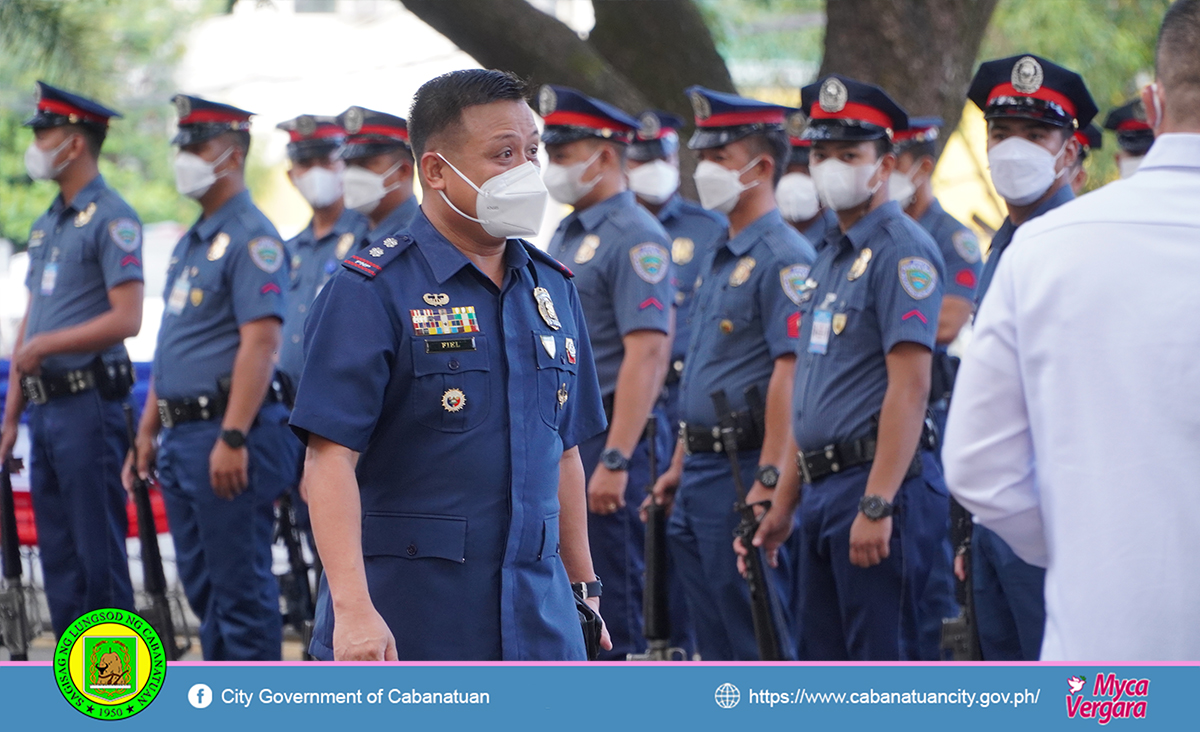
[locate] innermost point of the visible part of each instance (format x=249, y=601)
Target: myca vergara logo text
x=110, y=664
x=1111, y=698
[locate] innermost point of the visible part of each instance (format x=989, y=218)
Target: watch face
x=768, y=475
x=614, y=460
x=873, y=507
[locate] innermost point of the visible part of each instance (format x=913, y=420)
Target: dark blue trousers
x=79, y=446
x=700, y=534
x=938, y=602
x=1010, y=601
x=223, y=548
x=872, y=614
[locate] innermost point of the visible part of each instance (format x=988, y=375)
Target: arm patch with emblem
x=918, y=277
x=650, y=261
x=267, y=253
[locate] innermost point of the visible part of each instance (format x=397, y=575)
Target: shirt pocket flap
x=553, y=353
x=415, y=536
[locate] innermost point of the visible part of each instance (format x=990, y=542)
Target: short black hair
x=440, y=101
x=93, y=136
x=774, y=143
x=1176, y=59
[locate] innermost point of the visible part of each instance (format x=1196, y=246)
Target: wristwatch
x=768, y=475
x=614, y=460
x=589, y=589
x=234, y=438
x=875, y=508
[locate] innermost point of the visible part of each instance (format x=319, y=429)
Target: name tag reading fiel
x=442, y=345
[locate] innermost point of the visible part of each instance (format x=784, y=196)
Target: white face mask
x=1022, y=170
x=797, y=197
x=194, y=175
x=901, y=187
x=565, y=182
x=510, y=204
x=364, y=189
x=1128, y=166
x=654, y=182
x=720, y=188
x=39, y=163
x=321, y=187
x=842, y=185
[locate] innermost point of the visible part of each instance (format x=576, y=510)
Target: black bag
x=591, y=623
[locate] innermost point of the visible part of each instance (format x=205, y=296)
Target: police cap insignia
x=833, y=96
x=354, y=120
x=1027, y=75
x=650, y=126
x=306, y=125
x=183, y=106
x=701, y=106
x=547, y=100
x=795, y=123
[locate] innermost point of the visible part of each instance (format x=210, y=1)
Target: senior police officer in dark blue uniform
x=70, y=364
x=378, y=181
x=459, y=343
x=743, y=333
x=1134, y=135
x=224, y=456
x=874, y=514
x=1033, y=108
x=796, y=194
x=621, y=255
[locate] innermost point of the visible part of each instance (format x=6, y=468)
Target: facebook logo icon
x=200, y=696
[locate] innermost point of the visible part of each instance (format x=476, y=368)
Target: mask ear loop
x=743, y=171
x=587, y=164
x=220, y=159
x=1062, y=151
x=54, y=153
x=469, y=182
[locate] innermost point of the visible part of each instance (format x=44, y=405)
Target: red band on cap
x=384, y=130
x=732, y=119
x=911, y=133
x=1082, y=139
x=56, y=107
x=321, y=134
x=207, y=116
x=856, y=112
x=799, y=142
x=1133, y=125
x=582, y=119
x=1046, y=94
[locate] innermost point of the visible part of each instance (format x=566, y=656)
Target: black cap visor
x=843, y=130
x=1135, y=142
x=705, y=138
x=1038, y=110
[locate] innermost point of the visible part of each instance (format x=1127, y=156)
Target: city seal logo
x=917, y=277
x=110, y=664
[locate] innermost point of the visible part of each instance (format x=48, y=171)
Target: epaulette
x=538, y=254
x=371, y=260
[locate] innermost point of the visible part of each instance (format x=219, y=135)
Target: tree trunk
x=921, y=51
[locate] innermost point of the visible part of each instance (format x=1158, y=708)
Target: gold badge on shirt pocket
x=84, y=216
x=860, y=265
x=587, y=249
x=839, y=323
x=197, y=296
x=682, y=250
x=216, y=250
x=345, y=241
x=742, y=271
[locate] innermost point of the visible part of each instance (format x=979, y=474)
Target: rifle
x=960, y=635
x=766, y=631
x=656, y=606
x=299, y=606
x=154, y=581
x=14, y=619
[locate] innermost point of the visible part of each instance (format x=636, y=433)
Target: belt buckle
x=805, y=475
x=683, y=437
x=164, y=414
x=718, y=443
x=34, y=389
x=78, y=380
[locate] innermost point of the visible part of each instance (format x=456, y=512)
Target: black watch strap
x=234, y=438
x=589, y=589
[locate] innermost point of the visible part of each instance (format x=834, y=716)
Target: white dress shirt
x=1074, y=431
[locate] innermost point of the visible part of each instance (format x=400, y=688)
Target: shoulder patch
x=126, y=234
x=371, y=259
x=918, y=277
x=792, y=279
x=540, y=256
x=967, y=245
x=650, y=261
x=267, y=253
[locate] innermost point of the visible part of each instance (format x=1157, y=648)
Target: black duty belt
x=174, y=412
x=699, y=439
x=817, y=464
x=43, y=388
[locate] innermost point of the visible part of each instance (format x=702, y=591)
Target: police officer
x=743, y=331
x=225, y=450
x=378, y=181
x=70, y=364
x=456, y=343
x=1089, y=138
x=796, y=195
x=622, y=260
x=875, y=512
x=1033, y=108
x=1134, y=135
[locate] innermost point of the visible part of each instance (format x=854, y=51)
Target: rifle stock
x=14, y=620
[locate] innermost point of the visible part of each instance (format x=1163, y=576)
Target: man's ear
x=887, y=164
x=926, y=168
x=433, y=172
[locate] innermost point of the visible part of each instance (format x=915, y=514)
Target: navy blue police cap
x=370, y=133
x=657, y=136
x=571, y=115
x=1089, y=138
x=56, y=108
x=1030, y=87
x=723, y=118
x=201, y=119
x=312, y=136
x=1134, y=134
x=794, y=124
x=841, y=108
x=920, y=130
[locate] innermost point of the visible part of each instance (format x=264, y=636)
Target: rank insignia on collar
x=216, y=250
x=839, y=323
x=35, y=238
x=587, y=249
x=437, y=300
x=682, y=250
x=376, y=252
x=742, y=271
x=390, y=242
x=571, y=350
x=549, y=345
x=345, y=241
x=444, y=322
x=453, y=400
x=546, y=307
x=83, y=217
x=860, y=265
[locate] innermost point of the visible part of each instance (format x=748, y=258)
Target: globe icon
x=728, y=696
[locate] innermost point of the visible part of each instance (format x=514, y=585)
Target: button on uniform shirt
x=746, y=315
x=960, y=251
x=849, y=323
x=622, y=261
x=77, y=253
x=694, y=231
x=396, y=221
x=228, y=270
x=313, y=263
x=1062, y=376
x=1004, y=236
x=483, y=392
